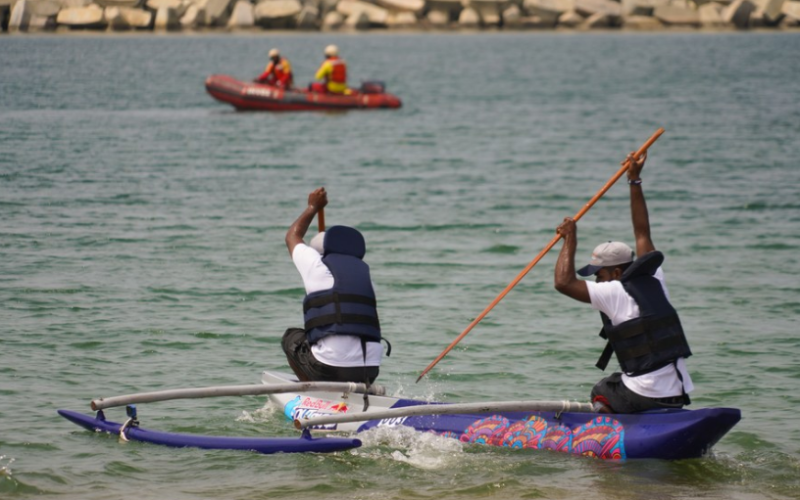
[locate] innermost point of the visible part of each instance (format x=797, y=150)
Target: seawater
x=141, y=248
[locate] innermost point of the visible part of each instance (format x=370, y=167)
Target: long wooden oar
x=446, y=409
x=546, y=249
x=321, y=220
x=236, y=390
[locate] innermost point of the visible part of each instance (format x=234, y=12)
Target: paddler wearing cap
x=340, y=341
x=278, y=71
x=639, y=323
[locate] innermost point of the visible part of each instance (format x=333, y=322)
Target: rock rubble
x=422, y=15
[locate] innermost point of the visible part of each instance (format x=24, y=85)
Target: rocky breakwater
x=336, y=15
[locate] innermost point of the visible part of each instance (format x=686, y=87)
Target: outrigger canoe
x=246, y=96
x=334, y=406
x=662, y=434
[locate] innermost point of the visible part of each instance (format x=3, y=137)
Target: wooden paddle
x=546, y=249
x=321, y=219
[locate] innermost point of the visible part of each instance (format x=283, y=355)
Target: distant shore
x=394, y=16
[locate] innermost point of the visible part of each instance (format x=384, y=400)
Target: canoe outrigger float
x=343, y=407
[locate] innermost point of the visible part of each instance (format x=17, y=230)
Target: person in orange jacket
x=333, y=71
x=278, y=71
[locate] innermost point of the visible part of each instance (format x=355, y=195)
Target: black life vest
x=653, y=340
x=349, y=308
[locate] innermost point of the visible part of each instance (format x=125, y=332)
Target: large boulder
x=89, y=17
x=641, y=7
x=402, y=20
x=376, y=15
x=216, y=11
x=109, y=3
x=710, y=15
x=415, y=6
x=643, y=23
x=489, y=10
x=469, y=18
x=277, y=13
x=771, y=9
x=20, y=18
x=606, y=7
x=570, y=19
x=791, y=10
x=77, y=3
x=332, y=21
x=157, y=4
x=115, y=20
x=512, y=17
x=738, y=13
x=138, y=19
x=438, y=18
x=194, y=17
x=452, y=7
x=358, y=20
x=308, y=18
x=167, y=18
x=536, y=23
x=597, y=20
x=548, y=10
x=44, y=8
x=242, y=15
x=672, y=15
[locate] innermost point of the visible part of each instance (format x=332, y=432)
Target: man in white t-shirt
x=642, y=328
x=341, y=338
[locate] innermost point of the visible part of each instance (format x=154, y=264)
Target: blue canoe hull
x=262, y=445
x=663, y=434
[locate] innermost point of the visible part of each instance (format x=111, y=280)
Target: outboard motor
x=372, y=87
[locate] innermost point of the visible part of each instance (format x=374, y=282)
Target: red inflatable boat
x=259, y=97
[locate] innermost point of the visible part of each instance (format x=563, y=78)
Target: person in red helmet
x=278, y=72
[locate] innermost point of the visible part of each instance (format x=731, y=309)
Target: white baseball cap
x=611, y=253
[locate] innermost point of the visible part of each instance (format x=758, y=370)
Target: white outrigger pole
x=446, y=409
x=236, y=390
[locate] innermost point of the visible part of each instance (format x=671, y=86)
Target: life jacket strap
x=641, y=327
x=602, y=362
x=336, y=298
x=388, y=347
x=339, y=319
x=640, y=350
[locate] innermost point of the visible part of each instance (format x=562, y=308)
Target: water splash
x=424, y=450
x=5, y=469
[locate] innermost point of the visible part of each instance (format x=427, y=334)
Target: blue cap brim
x=589, y=270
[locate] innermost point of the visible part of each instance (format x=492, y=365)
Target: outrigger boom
x=236, y=390
x=447, y=409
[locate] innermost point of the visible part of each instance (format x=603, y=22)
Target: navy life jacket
x=653, y=340
x=349, y=308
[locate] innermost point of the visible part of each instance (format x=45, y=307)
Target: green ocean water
x=141, y=248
